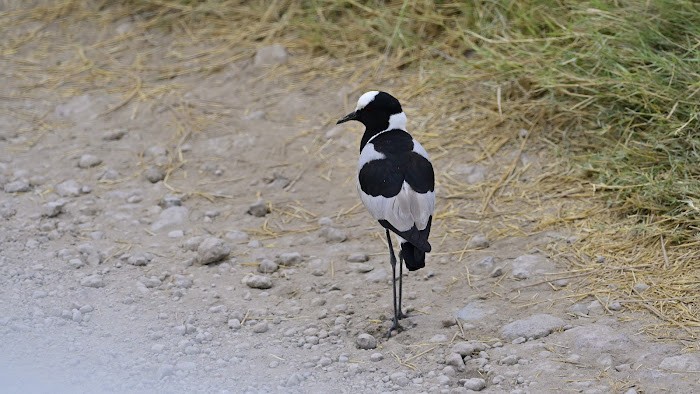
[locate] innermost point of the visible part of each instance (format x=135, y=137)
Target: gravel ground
x=229, y=258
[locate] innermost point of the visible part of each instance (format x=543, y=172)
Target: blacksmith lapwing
x=396, y=183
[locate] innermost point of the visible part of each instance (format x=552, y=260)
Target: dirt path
x=112, y=205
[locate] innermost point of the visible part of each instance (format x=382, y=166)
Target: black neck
x=373, y=127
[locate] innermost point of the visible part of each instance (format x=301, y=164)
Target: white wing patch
x=368, y=154
x=404, y=210
x=418, y=148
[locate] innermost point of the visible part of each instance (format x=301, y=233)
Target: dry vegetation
x=610, y=89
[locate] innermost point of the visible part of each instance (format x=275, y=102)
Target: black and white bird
x=396, y=183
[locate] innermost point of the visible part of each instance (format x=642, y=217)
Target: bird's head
x=378, y=111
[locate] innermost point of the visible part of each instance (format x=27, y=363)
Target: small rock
x=169, y=217
x=640, y=287
x=139, y=259
x=259, y=209
x=94, y=280
x=154, y=174
x=498, y=271
x=476, y=384
x=289, y=259
x=236, y=235
x=361, y=267
x=318, y=267
x=69, y=188
x=438, y=338
x=333, y=235
x=176, y=234
x=257, y=281
x=271, y=55
x=76, y=263
x=376, y=357
x=87, y=160
x=358, y=258
x=53, y=208
x=377, y=276
x=535, y=326
x=478, y=241
x=615, y=306
x=261, y=327
x=455, y=360
x=527, y=265
x=76, y=316
x=212, y=250
x=165, y=370
x=399, y=378
x=234, y=324
x=114, y=135
x=267, y=266
x=509, y=360
x=366, y=341
x=683, y=363
x=18, y=186
x=182, y=282
x=254, y=115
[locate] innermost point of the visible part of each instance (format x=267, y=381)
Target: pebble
x=267, y=266
x=333, y=235
x=325, y=361
x=76, y=263
x=169, y=217
x=527, y=265
x=535, y=326
x=615, y=306
x=498, y=271
x=377, y=276
x=476, y=384
x=290, y=258
x=509, y=360
x=165, y=370
x=257, y=281
x=683, y=363
x=69, y=188
x=87, y=160
x=478, y=241
x=176, y=234
x=236, y=235
x=318, y=267
x=259, y=209
x=154, y=174
x=358, y=258
x=361, y=267
x=261, y=327
x=114, y=135
x=53, y=208
x=640, y=287
x=18, y=186
x=455, y=360
x=271, y=55
x=182, y=282
x=366, y=341
x=234, y=324
x=94, y=280
x=376, y=357
x=212, y=250
x=399, y=378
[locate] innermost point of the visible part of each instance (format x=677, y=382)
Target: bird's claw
x=394, y=327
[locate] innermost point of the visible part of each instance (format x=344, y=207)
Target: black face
x=375, y=115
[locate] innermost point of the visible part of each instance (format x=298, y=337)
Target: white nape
x=365, y=99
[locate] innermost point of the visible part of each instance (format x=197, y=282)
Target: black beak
x=350, y=116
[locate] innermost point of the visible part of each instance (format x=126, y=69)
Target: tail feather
x=414, y=257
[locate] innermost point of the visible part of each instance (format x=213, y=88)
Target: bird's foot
x=394, y=327
x=402, y=315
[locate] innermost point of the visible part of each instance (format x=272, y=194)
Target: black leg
x=392, y=259
x=401, y=315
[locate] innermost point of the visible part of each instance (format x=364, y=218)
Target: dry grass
x=608, y=89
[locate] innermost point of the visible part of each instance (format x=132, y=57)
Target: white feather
x=397, y=122
x=365, y=99
x=368, y=154
x=418, y=148
x=403, y=211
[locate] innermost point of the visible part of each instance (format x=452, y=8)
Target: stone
x=358, y=258
x=94, y=280
x=455, y=360
x=535, y=326
x=18, y=186
x=375, y=357
x=212, y=250
x=361, y=268
x=476, y=384
x=478, y=241
x=114, y=135
x=528, y=265
x=267, y=266
x=53, y=208
x=640, y=287
x=377, y=276
x=333, y=235
x=87, y=160
x=474, y=311
x=68, y=188
x=289, y=259
x=259, y=209
x=271, y=55
x=597, y=338
x=689, y=362
x=236, y=235
x=154, y=174
x=318, y=267
x=169, y=217
x=366, y=341
x=257, y=281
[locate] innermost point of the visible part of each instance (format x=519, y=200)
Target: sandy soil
x=130, y=234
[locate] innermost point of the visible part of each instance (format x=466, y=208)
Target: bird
x=396, y=183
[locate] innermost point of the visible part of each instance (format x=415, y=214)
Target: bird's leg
x=392, y=259
x=401, y=315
